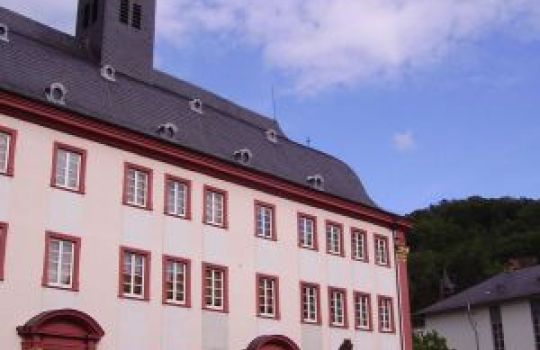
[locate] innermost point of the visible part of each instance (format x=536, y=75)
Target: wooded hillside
x=472, y=240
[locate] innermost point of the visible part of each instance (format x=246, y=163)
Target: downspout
x=398, y=289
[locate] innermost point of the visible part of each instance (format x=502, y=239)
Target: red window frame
x=49, y=236
x=357, y=294
x=317, y=288
x=345, y=311
x=82, y=171
x=149, y=172
x=208, y=188
x=363, y=233
x=341, y=236
x=3, y=246
x=225, y=270
x=187, y=183
x=383, y=238
x=187, y=263
x=10, y=171
x=381, y=298
x=146, y=284
x=257, y=206
x=301, y=216
x=259, y=277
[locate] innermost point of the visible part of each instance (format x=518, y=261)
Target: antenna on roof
x=273, y=104
x=308, y=141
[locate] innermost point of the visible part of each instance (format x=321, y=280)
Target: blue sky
x=425, y=100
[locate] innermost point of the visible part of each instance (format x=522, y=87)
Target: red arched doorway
x=60, y=330
x=272, y=342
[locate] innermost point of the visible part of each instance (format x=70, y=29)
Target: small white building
x=501, y=313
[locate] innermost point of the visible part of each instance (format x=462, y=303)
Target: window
x=334, y=238
x=265, y=220
x=130, y=12
x=3, y=239
x=68, y=168
x=137, y=186
x=381, y=251
x=61, y=265
x=7, y=150
x=307, y=231
x=359, y=249
x=176, y=281
x=215, y=294
x=338, y=307
x=177, y=197
x=496, y=327
x=535, y=310
x=135, y=273
x=362, y=311
x=215, y=204
x=267, y=296
x=386, y=314
x=311, y=306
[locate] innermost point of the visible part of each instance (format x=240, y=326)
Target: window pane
x=4, y=151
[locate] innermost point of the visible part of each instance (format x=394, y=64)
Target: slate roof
x=522, y=283
x=37, y=55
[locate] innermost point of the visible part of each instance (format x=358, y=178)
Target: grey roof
x=37, y=55
x=522, y=283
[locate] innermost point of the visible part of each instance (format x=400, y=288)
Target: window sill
x=221, y=311
x=67, y=289
x=130, y=297
x=172, y=303
x=148, y=207
x=67, y=189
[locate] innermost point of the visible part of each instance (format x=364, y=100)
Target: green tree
x=429, y=341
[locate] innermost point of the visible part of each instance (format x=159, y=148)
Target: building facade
x=140, y=212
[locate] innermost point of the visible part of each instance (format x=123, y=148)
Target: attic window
x=56, y=93
x=131, y=12
x=4, y=32
x=196, y=105
x=243, y=156
x=271, y=135
x=108, y=72
x=316, y=181
x=124, y=11
x=137, y=16
x=167, y=129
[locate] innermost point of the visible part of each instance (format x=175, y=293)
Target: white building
x=140, y=212
x=501, y=313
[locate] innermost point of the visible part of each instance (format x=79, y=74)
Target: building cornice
x=38, y=112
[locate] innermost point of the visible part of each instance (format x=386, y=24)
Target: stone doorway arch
x=64, y=329
x=272, y=342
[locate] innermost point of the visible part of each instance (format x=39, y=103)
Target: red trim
x=404, y=300
x=258, y=205
x=149, y=194
x=187, y=183
x=315, y=236
x=318, y=293
x=357, y=294
x=49, y=235
x=208, y=188
x=345, y=311
x=147, y=265
x=258, y=279
x=381, y=298
x=341, y=239
x=272, y=342
x=187, y=263
x=3, y=244
x=12, y=144
x=77, y=124
x=385, y=239
x=82, y=171
x=225, y=271
x=353, y=248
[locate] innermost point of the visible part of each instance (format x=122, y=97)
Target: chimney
x=119, y=33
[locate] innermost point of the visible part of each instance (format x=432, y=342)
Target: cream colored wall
x=31, y=206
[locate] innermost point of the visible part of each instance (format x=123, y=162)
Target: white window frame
x=310, y=304
x=177, y=197
x=6, y=160
x=132, y=274
x=176, y=267
x=211, y=289
x=305, y=233
x=337, y=308
x=65, y=169
x=267, y=296
x=334, y=236
x=265, y=221
x=362, y=312
x=215, y=207
x=386, y=324
x=57, y=263
x=137, y=187
x=359, y=245
x=382, y=253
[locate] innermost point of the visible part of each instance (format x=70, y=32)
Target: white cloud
x=324, y=43
x=404, y=141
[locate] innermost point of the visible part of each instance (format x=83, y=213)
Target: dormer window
x=167, y=129
x=56, y=93
x=316, y=181
x=271, y=135
x=243, y=156
x=196, y=105
x=4, y=31
x=131, y=13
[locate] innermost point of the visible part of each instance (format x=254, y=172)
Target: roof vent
x=4, y=33
x=167, y=129
x=316, y=181
x=108, y=72
x=56, y=93
x=196, y=105
x=271, y=135
x=243, y=156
